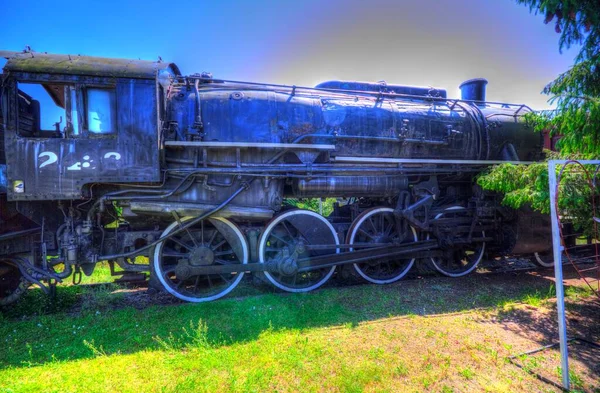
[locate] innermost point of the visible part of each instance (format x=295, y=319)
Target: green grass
x=350, y=339
x=102, y=274
x=578, y=292
x=467, y=373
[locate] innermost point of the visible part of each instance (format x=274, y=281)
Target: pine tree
x=576, y=93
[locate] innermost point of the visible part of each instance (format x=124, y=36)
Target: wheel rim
x=282, y=233
x=465, y=258
x=215, y=241
x=378, y=225
x=544, y=259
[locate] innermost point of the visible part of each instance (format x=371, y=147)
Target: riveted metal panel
x=58, y=168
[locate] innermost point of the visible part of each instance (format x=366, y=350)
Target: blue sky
x=415, y=42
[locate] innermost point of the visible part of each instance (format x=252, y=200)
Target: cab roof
x=84, y=65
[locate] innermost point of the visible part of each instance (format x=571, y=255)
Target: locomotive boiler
x=200, y=175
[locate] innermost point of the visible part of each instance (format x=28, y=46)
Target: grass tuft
x=96, y=351
x=194, y=337
x=467, y=373
x=401, y=369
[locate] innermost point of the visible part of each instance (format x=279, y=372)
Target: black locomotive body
x=200, y=175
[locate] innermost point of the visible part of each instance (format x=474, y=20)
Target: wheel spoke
x=281, y=239
x=219, y=244
x=221, y=253
x=173, y=253
x=187, y=230
x=182, y=244
x=366, y=233
x=202, y=232
x=223, y=278
x=287, y=229
x=388, y=230
x=373, y=226
x=212, y=238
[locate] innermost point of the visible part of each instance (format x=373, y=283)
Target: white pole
x=558, y=274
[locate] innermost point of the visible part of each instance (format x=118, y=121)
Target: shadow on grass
x=84, y=321
x=582, y=322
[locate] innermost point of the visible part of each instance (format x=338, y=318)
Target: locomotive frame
x=194, y=173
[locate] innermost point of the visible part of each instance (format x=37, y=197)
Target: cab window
x=47, y=110
x=101, y=116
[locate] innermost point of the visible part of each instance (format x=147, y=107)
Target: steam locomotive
x=201, y=175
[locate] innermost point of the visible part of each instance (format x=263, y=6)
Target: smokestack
x=473, y=89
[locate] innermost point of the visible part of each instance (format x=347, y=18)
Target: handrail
x=294, y=89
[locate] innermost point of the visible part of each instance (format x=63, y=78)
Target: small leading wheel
x=289, y=234
x=379, y=225
x=465, y=257
x=544, y=259
x=12, y=283
x=211, y=242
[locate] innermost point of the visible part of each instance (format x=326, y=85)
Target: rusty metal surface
x=83, y=65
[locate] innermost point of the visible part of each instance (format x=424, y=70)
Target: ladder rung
x=588, y=269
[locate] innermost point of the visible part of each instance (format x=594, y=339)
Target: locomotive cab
x=77, y=120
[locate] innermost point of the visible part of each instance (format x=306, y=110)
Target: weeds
x=100, y=297
x=194, y=337
x=30, y=361
x=401, y=370
x=96, y=351
x=467, y=373
x=530, y=363
x=576, y=381
x=576, y=293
